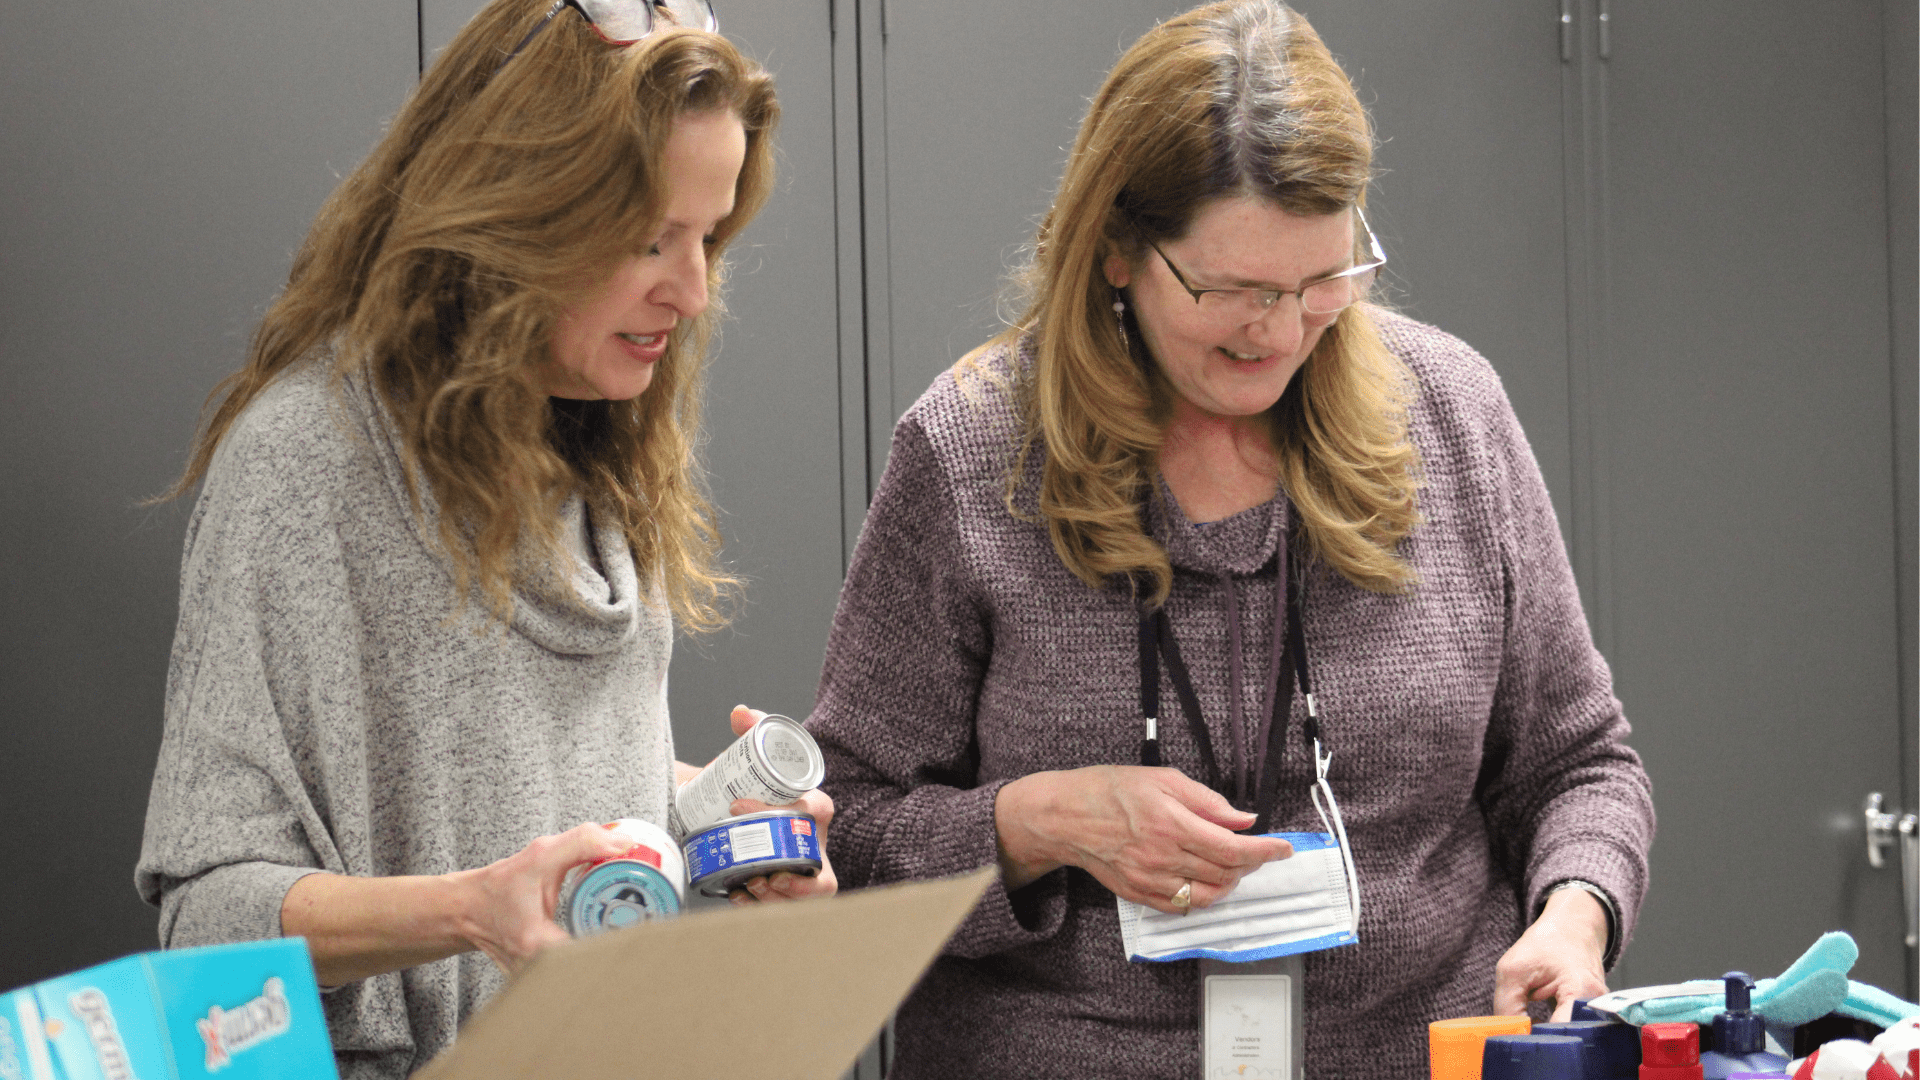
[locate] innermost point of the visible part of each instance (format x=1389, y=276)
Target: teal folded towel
x=1811, y=987
x=1875, y=1006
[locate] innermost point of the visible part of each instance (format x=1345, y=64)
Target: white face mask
x=1288, y=906
x=1304, y=903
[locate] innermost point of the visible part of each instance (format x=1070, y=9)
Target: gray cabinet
x=1745, y=466
x=158, y=166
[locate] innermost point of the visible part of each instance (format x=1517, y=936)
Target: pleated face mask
x=1300, y=904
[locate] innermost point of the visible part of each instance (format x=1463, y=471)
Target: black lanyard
x=1156, y=641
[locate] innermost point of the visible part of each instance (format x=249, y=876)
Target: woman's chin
x=624, y=387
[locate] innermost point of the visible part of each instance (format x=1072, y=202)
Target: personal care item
x=1533, y=1057
x=249, y=1011
x=1844, y=1059
x=1612, y=1048
x=775, y=762
x=645, y=882
x=1457, y=1048
x=1739, y=1035
x=732, y=851
x=1899, y=1046
x=1811, y=987
x=1294, y=905
x=1670, y=1052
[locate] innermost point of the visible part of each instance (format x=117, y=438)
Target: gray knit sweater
x=330, y=706
x=1477, y=747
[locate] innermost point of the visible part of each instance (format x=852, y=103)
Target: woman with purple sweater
x=1199, y=416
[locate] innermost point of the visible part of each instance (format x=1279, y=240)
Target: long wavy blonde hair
x=439, y=269
x=1232, y=99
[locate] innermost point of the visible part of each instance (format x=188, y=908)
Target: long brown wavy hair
x=1233, y=99
x=439, y=269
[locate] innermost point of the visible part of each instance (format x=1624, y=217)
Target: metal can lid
x=790, y=752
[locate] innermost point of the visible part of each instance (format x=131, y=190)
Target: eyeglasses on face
x=1326, y=296
x=623, y=22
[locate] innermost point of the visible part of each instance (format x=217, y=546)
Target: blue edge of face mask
x=1301, y=841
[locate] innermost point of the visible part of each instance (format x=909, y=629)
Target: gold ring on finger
x=1183, y=896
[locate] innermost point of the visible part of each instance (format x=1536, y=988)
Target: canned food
x=645, y=882
x=775, y=762
x=727, y=853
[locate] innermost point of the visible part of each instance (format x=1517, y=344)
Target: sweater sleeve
x=1566, y=798
x=910, y=646
x=231, y=824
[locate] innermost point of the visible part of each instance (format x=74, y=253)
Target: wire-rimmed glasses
x=1326, y=296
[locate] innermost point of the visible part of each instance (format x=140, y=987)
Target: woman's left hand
x=1560, y=957
x=815, y=804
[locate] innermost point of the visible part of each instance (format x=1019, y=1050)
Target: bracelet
x=1606, y=904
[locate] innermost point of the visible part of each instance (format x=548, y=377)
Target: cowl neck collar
x=583, y=621
x=1241, y=545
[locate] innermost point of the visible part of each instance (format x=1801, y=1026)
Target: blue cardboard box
x=249, y=1011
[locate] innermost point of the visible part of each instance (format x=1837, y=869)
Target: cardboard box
x=776, y=990
x=788, y=991
x=248, y=1011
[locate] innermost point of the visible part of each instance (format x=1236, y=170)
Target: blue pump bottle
x=1739, y=1036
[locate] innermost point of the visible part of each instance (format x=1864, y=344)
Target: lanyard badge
x=1301, y=904
x=1250, y=942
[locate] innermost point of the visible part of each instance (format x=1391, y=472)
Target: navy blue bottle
x=1739, y=1036
x=1533, y=1057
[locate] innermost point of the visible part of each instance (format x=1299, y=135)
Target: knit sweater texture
x=332, y=706
x=1477, y=747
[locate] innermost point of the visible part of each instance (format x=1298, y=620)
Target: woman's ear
x=1118, y=273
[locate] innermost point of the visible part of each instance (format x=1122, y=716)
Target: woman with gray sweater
x=448, y=514
x=1202, y=465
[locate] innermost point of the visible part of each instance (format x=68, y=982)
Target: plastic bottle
x=1533, y=1057
x=1612, y=1048
x=1739, y=1036
x=1457, y=1046
x=1670, y=1052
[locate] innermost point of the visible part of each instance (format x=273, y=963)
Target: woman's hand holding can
x=506, y=908
x=815, y=804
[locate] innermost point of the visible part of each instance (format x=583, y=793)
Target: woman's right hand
x=1142, y=832
x=508, y=906
x=359, y=927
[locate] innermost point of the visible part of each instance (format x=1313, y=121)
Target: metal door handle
x=1884, y=827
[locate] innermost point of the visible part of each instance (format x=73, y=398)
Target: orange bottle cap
x=1456, y=1046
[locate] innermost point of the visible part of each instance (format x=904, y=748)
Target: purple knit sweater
x=1478, y=750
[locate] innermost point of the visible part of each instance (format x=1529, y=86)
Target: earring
x=1120, y=317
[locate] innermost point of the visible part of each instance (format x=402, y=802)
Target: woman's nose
x=1279, y=328
x=684, y=288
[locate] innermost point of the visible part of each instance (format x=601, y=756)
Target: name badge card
x=1252, y=1020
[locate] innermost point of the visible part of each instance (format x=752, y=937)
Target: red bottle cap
x=1670, y=1052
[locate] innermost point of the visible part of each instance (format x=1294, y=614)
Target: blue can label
x=730, y=852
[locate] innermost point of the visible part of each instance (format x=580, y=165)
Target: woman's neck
x=1218, y=466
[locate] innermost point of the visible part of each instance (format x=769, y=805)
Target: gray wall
x=158, y=165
